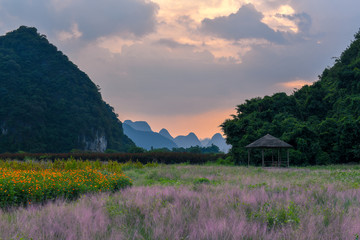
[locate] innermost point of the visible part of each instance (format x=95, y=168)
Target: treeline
x=194, y=149
x=144, y=158
x=321, y=121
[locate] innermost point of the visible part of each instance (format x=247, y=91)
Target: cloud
x=245, y=23
x=170, y=43
x=296, y=84
x=302, y=20
x=92, y=18
x=73, y=34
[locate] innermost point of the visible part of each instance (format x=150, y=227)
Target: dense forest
x=47, y=104
x=321, y=121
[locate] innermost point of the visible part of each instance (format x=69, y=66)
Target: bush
x=202, y=181
x=275, y=216
x=227, y=161
x=323, y=158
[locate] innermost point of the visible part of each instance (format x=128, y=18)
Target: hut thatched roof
x=269, y=141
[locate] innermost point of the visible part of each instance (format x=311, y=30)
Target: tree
x=321, y=121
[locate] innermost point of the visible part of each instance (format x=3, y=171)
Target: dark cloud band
x=94, y=18
x=246, y=23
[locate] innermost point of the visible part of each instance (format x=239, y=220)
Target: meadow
x=202, y=202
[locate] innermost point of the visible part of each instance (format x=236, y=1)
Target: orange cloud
x=295, y=84
x=180, y=20
x=272, y=19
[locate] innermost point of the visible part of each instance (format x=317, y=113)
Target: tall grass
x=203, y=202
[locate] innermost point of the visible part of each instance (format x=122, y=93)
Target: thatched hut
x=269, y=142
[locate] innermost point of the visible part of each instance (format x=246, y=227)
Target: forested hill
x=47, y=104
x=321, y=121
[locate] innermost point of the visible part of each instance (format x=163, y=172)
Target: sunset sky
x=184, y=65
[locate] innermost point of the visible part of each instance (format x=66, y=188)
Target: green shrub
x=275, y=216
x=229, y=161
x=202, y=181
x=323, y=158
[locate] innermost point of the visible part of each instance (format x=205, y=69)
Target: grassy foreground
x=204, y=202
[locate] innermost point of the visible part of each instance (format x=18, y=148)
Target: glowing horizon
x=204, y=125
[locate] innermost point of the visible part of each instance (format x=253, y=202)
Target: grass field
x=204, y=202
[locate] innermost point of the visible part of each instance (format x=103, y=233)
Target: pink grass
x=198, y=211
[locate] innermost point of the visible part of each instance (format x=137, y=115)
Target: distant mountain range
x=141, y=134
x=139, y=125
x=187, y=141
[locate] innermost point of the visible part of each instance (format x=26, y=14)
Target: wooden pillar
x=288, y=162
x=262, y=156
x=278, y=162
x=248, y=157
x=272, y=157
x=280, y=157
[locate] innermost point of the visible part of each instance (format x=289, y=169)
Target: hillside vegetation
x=321, y=121
x=47, y=104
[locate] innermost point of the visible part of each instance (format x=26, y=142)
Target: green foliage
x=154, y=150
x=321, y=121
x=46, y=103
x=352, y=178
x=356, y=236
x=275, y=216
x=131, y=165
x=20, y=237
x=229, y=161
x=202, y=181
x=194, y=149
x=258, y=185
x=144, y=158
x=61, y=164
x=135, y=149
x=197, y=149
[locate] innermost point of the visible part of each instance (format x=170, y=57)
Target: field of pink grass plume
x=176, y=202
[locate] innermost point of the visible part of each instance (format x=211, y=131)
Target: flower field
x=200, y=202
x=25, y=183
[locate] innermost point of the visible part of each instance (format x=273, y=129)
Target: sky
x=185, y=65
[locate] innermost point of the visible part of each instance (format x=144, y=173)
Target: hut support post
x=278, y=163
x=280, y=158
x=262, y=157
x=288, y=162
x=248, y=157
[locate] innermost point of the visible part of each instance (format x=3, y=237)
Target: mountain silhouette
x=205, y=141
x=191, y=140
x=141, y=134
x=139, y=125
x=166, y=134
x=219, y=141
x=47, y=104
x=147, y=139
